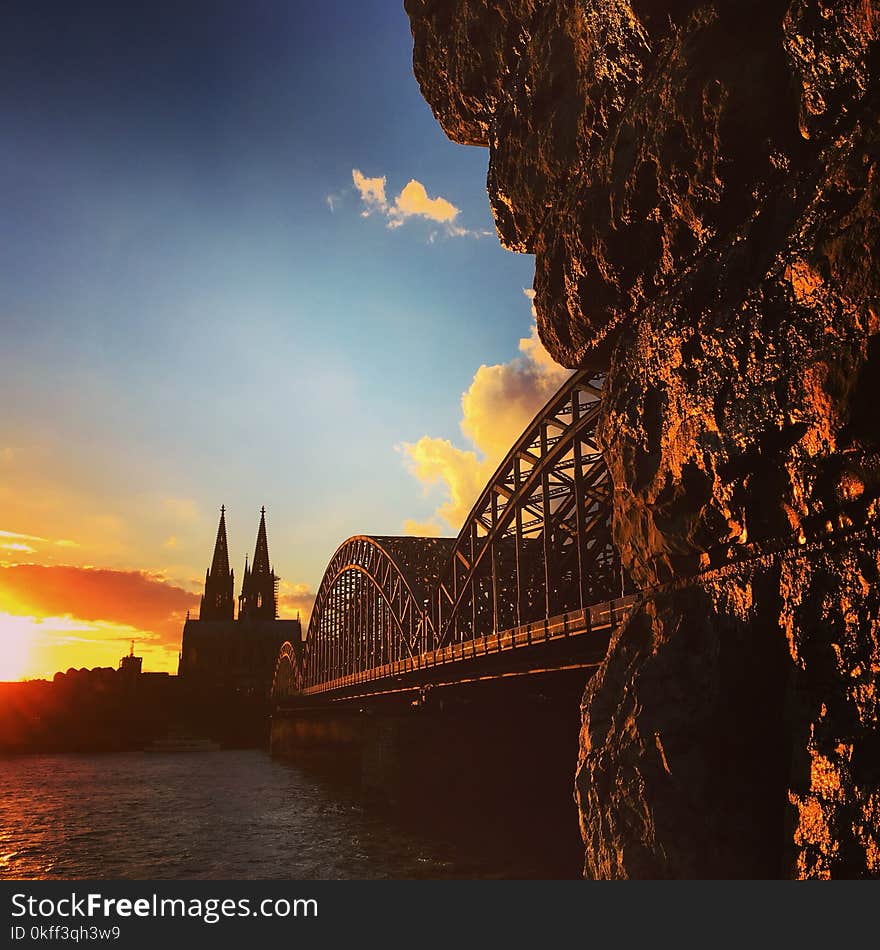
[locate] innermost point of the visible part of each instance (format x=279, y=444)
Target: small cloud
x=16, y=541
x=18, y=536
x=21, y=543
x=412, y=202
x=371, y=190
x=296, y=600
x=170, y=542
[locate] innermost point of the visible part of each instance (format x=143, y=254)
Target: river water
x=224, y=814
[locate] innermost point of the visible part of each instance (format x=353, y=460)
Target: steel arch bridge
x=531, y=583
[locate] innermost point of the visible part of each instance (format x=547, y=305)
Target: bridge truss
x=532, y=566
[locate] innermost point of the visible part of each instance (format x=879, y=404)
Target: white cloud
x=413, y=201
x=296, y=600
x=371, y=190
x=18, y=536
x=18, y=546
x=17, y=541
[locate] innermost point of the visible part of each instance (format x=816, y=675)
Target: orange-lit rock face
x=700, y=185
x=628, y=140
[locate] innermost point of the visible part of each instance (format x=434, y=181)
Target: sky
x=240, y=264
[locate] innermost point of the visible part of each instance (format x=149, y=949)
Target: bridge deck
x=518, y=650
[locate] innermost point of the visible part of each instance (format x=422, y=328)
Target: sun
x=16, y=639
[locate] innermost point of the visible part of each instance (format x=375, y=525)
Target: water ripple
x=225, y=814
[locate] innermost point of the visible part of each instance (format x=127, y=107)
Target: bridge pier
x=488, y=766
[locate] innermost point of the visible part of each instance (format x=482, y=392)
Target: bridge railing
x=600, y=618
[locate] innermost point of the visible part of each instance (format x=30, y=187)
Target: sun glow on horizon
x=16, y=637
x=38, y=647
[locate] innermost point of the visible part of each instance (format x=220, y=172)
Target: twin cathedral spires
x=259, y=589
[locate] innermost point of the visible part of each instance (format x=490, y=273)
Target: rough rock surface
x=700, y=185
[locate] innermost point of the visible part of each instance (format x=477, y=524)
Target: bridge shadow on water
x=484, y=771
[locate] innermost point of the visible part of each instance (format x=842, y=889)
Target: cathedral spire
x=218, y=602
x=259, y=591
x=261, y=553
x=220, y=563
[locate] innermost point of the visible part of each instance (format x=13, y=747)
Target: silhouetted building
x=220, y=651
x=259, y=589
x=131, y=665
x=218, y=602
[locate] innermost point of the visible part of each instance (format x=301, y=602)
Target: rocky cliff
x=700, y=186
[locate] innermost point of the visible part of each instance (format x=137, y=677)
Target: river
x=224, y=814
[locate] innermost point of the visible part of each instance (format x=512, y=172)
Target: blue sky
x=185, y=319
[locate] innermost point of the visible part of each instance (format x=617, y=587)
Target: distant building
x=219, y=650
x=130, y=664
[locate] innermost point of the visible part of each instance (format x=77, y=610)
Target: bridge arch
x=370, y=606
x=287, y=681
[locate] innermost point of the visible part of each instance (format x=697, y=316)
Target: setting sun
x=16, y=637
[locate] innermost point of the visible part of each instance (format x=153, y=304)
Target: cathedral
x=220, y=650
